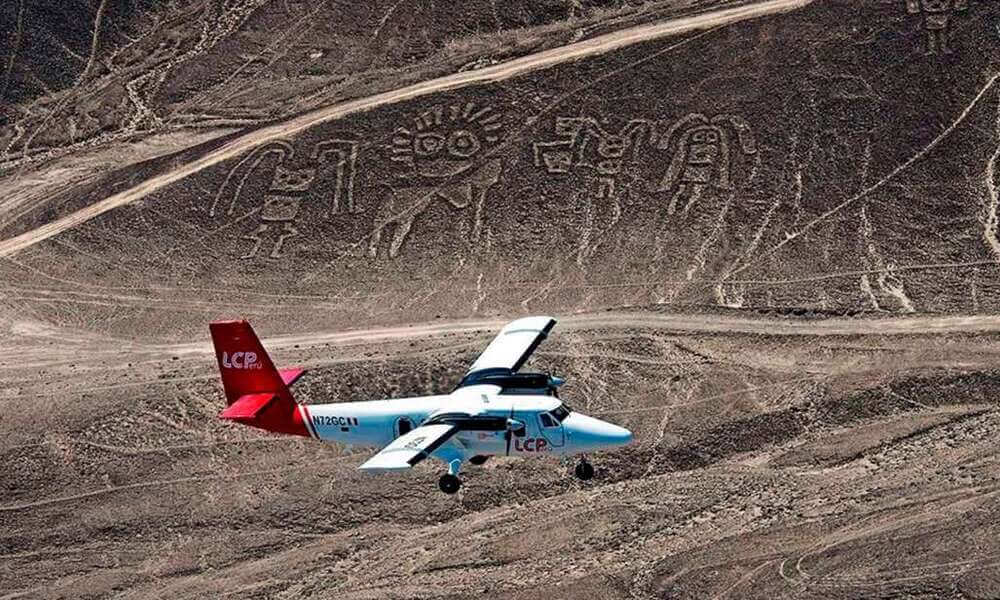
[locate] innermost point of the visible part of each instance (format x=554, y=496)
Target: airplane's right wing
x=411, y=448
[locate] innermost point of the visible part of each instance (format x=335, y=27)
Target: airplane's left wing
x=411, y=448
x=513, y=345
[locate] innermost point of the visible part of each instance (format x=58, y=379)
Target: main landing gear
x=478, y=460
x=584, y=470
x=449, y=484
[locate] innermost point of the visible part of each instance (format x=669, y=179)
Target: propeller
x=554, y=383
x=509, y=433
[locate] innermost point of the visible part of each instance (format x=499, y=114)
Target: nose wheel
x=449, y=484
x=584, y=470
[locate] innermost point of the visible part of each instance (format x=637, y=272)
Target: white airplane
x=494, y=410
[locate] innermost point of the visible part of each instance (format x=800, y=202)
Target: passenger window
x=548, y=421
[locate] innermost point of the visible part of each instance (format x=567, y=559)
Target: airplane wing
x=507, y=352
x=513, y=345
x=411, y=448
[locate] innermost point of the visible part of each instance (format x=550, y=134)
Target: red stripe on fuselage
x=308, y=421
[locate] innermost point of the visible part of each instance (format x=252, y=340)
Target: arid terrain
x=768, y=231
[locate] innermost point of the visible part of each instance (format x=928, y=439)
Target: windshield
x=560, y=412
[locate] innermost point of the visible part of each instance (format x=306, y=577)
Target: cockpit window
x=560, y=412
x=548, y=420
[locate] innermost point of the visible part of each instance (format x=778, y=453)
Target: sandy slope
x=862, y=473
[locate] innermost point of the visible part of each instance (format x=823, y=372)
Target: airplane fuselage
x=377, y=423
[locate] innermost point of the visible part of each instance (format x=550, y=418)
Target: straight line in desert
x=626, y=320
x=532, y=62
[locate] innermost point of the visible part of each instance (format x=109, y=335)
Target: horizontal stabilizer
x=289, y=376
x=247, y=407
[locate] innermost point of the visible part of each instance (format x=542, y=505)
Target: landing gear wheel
x=584, y=470
x=449, y=484
x=478, y=460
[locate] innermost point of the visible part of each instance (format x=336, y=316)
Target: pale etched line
x=69, y=51
x=747, y=390
x=742, y=580
x=480, y=294
x=894, y=286
x=277, y=55
x=19, y=132
x=661, y=430
x=328, y=301
x=855, y=532
x=888, y=281
x=94, y=40
x=637, y=360
x=311, y=364
x=167, y=482
x=174, y=307
x=990, y=226
x=866, y=245
x=167, y=449
x=720, y=222
x=866, y=163
x=889, y=391
x=957, y=568
x=906, y=165
x=13, y=53
x=839, y=274
x=837, y=327
x=866, y=289
x=42, y=273
x=45, y=122
x=752, y=246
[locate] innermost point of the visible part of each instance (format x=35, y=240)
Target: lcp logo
x=240, y=360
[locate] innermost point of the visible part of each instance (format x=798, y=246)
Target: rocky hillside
x=75, y=74
x=839, y=158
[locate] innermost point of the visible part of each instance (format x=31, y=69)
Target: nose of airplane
x=591, y=433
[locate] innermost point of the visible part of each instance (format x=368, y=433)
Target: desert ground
x=768, y=231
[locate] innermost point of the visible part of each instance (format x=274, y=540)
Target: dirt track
x=526, y=64
x=680, y=323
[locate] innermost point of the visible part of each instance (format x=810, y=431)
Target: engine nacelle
x=515, y=383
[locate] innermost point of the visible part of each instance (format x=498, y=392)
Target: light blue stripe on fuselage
x=369, y=423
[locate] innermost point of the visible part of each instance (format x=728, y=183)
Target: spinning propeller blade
x=509, y=434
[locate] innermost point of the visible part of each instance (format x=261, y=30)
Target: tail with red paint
x=257, y=393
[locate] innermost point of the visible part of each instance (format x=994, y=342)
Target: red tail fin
x=257, y=394
x=245, y=366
